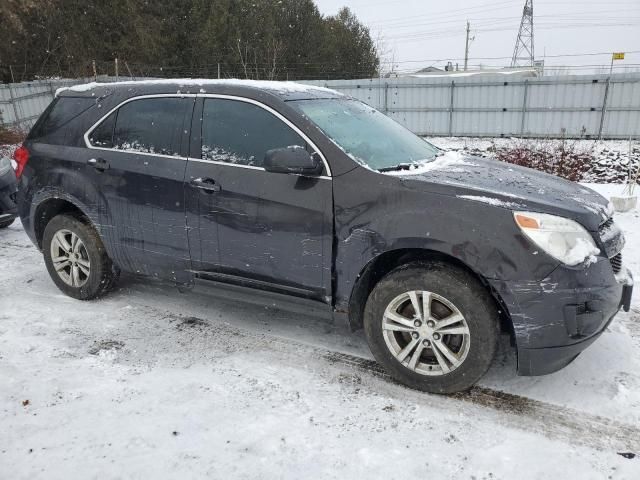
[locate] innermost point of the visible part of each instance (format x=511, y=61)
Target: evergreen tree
x=263, y=39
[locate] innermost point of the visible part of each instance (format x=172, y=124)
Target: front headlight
x=563, y=239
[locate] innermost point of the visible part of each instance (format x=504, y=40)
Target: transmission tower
x=523, y=51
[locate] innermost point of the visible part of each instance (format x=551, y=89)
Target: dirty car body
x=191, y=212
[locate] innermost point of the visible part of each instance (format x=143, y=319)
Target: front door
x=271, y=228
x=138, y=159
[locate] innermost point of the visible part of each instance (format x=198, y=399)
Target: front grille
x=616, y=263
x=606, y=225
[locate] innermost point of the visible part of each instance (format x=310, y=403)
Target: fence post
x=52, y=91
x=604, y=107
x=12, y=99
x=453, y=84
x=386, y=98
x=524, y=106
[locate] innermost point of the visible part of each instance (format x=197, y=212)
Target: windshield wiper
x=400, y=166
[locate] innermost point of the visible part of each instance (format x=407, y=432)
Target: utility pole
x=523, y=54
x=466, y=47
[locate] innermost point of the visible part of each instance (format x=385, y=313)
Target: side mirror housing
x=293, y=159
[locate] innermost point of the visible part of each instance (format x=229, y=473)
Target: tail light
x=21, y=157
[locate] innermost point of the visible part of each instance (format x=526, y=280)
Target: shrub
x=558, y=157
x=9, y=136
x=9, y=140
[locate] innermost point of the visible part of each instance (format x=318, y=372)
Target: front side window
x=148, y=125
x=241, y=133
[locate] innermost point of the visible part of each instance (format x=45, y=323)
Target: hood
x=508, y=186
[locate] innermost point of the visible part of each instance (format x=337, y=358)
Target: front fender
x=370, y=222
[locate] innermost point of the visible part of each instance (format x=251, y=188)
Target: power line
x=449, y=32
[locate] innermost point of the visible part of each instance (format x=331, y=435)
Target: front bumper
x=556, y=319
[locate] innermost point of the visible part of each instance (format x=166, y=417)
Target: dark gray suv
x=298, y=190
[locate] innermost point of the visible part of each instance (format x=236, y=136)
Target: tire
x=455, y=298
x=6, y=223
x=88, y=256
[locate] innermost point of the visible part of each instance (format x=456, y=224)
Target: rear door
x=271, y=229
x=137, y=156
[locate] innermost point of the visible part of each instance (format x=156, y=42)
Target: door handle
x=208, y=185
x=98, y=163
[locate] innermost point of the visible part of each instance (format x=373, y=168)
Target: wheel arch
x=51, y=207
x=382, y=264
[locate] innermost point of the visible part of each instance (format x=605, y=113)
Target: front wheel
x=76, y=258
x=432, y=326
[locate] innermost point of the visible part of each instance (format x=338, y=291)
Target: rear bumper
x=556, y=319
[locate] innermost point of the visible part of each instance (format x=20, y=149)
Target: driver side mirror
x=293, y=159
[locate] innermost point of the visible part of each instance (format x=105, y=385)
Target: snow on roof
x=279, y=87
x=473, y=73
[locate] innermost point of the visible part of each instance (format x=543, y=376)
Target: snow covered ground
x=153, y=383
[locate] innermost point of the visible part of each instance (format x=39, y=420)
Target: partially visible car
x=8, y=188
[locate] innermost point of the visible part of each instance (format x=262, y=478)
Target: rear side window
x=241, y=133
x=149, y=125
x=61, y=124
x=102, y=135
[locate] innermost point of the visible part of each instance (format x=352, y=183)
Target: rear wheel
x=76, y=258
x=433, y=327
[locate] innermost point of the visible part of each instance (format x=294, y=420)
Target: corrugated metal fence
x=580, y=106
x=22, y=103
x=577, y=106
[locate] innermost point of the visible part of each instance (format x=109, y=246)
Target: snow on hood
x=280, y=87
x=449, y=161
x=489, y=181
x=496, y=202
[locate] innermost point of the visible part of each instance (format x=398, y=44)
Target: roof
x=285, y=90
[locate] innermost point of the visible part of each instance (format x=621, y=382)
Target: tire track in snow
x=518, y=412
x=514, y=411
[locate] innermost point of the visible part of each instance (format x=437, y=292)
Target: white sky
x=420, y=32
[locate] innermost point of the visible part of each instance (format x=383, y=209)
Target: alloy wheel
x=70, y=258
x=426, y=333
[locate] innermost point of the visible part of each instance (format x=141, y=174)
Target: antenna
x=523, y=51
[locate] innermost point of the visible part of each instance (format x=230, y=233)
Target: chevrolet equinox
x=299, y=190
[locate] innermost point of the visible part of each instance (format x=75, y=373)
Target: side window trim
x=278, y=115
x=117, y=107
x=208, y=95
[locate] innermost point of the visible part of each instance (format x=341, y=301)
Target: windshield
x=365, y=134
